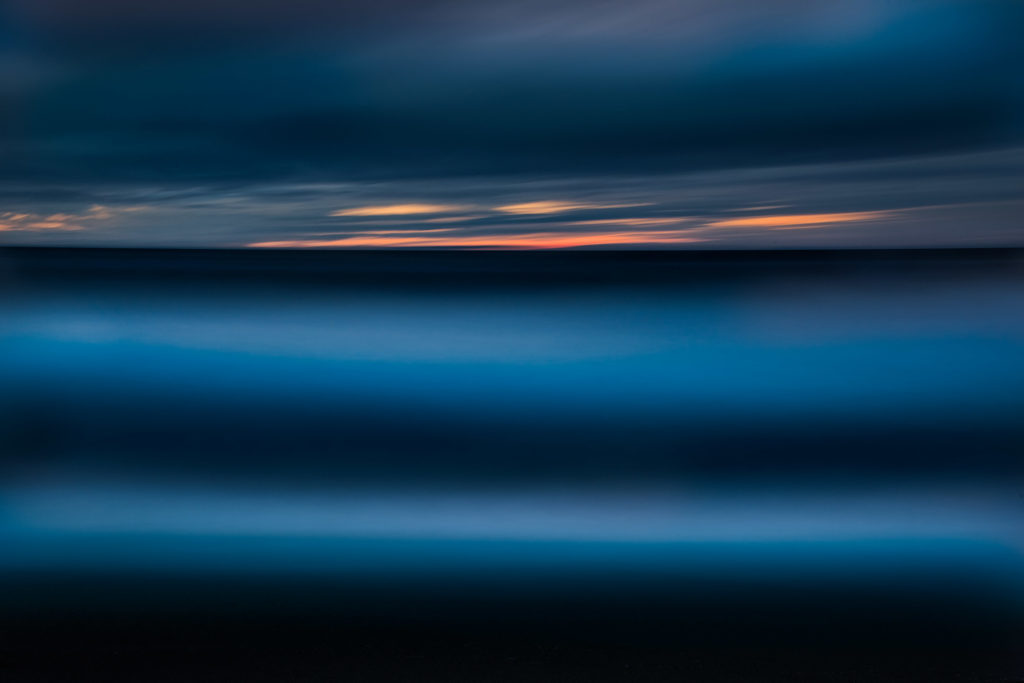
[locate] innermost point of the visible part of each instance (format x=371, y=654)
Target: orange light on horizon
x=534, y=240
x=799, y=220
x=361, y=233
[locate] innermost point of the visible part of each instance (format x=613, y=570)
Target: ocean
x=478, y=465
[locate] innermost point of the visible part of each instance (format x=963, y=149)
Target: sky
x=512, y=124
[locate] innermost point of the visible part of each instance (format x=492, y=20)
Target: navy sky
x=512, y=123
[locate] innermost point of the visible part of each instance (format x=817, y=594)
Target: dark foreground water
x=511, y=466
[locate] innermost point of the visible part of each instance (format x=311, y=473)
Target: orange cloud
x=544, y=207
x=11, y=221
x=805, y=220
x=534, y=240
x=52, y=225
x=29, y=221
x=397, y=210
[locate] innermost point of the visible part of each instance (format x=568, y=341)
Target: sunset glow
x=534, y=240
x=11, y=221
x=800, y=220
x=753, y=125
x=396, y=210
x=545, y=207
